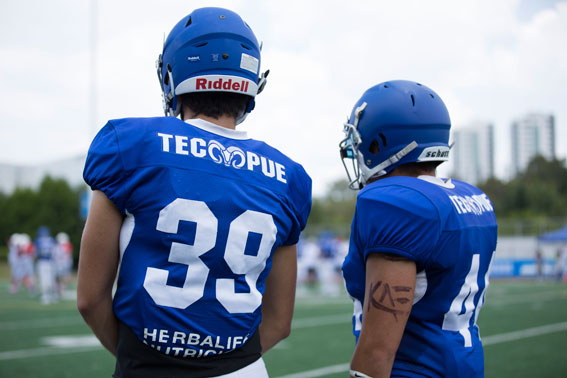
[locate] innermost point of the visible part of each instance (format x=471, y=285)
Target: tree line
x=54, y=204
x=532, y=202
x=537, y=195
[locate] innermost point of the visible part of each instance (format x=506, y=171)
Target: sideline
x=489, y=340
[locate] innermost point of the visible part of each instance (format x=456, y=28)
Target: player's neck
x=223, y=121
x=407, y=172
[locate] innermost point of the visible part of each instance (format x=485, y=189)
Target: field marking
x=15, y=325
x=489, y=340
x=44, y=351
x=524, y=333
x=71, y=341
x=501, y=300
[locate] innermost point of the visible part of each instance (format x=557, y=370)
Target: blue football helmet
x=394, y=123
x=210, y=50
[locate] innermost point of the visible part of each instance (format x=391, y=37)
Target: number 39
x=193, y=288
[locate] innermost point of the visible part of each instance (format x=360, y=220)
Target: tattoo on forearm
x=386, y=301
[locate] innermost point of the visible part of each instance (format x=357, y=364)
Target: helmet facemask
x=360, y=173
x=349, y=150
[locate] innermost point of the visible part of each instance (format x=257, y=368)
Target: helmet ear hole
x=166, y=78
x=374, y=147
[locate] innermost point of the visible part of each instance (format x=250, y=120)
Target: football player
x=15, y=261
x=45, y=265
x=63, y=260
x=420, y=247
x=198, y=220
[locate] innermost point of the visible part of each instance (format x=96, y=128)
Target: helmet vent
x=201, y=44
x=386, y=86
x=244, y=46
x=412, y=100
x=374, y=147
x=383, y=139
x=431, y=95
x=188, y=22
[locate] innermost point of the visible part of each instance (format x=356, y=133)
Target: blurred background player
x=203, y=219
x=45, y=249
x=561, y=264
x=14, y=263
x=420, y=248
x=27, y=261
x=63, y=261
x=308, y=256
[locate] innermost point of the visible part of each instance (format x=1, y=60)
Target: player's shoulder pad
x=406, y=194
x=298, y=182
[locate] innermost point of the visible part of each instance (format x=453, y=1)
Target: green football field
x=523, y=325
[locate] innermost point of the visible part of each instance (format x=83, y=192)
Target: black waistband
x=134, y=359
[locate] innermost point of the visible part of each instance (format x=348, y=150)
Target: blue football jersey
x=45, y=246
x=205, y=208
x=449, y=230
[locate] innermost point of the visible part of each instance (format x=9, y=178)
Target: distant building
x=27, y=176
x=473, y=152
x=533, y=134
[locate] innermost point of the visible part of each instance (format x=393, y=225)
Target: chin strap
x=262, y=81
x=379, y=170
x=261, y=84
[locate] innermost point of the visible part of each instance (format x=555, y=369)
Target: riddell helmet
x=394, y=123
x=210, y=50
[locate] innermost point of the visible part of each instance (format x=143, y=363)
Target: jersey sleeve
x=104, y=168
x=396, y=220
x=300, y=197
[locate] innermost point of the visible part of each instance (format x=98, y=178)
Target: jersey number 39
x=193, y=288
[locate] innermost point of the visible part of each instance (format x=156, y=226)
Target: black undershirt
x=134, y=359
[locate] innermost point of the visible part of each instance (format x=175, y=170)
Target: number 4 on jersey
x=457, y=320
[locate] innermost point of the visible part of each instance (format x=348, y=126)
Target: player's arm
x=279, y=298
x=390, y=284
x=98, y=263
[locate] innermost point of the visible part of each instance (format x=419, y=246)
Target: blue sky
x=490, y=61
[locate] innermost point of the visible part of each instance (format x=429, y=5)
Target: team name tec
x=229, y=156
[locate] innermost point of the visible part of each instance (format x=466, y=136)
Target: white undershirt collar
x=216, y=129
x=437, y=181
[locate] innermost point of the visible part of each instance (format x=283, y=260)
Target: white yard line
x=14, y=325
x=44, y=351
x=501, y=300
x=524, y=333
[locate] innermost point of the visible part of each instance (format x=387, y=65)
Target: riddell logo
x=221, y=83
